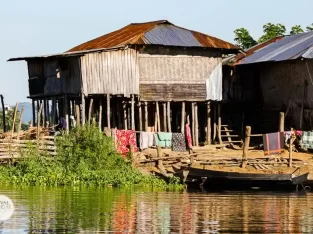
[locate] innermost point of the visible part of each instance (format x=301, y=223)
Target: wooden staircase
x=229, y=136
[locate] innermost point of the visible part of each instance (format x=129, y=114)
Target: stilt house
x=151, y=76
x=274, y=77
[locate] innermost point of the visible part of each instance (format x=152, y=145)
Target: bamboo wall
x=110, y=72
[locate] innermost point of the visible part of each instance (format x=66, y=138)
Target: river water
x=91, y=210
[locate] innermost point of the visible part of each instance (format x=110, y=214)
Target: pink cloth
x=124, y=140
x=188, y=136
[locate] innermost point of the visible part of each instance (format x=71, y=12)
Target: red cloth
x=124, y=140
x=188, y=136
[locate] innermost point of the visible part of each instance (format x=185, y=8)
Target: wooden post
x=246, y=147
x=119, y=115
x=83, y=110
x=77, y=110
x=48, y=112
x=281, y=122
x=146, y=117
x=133, y=112
x=290, y=150
x=214, y=122
x=3, y=114
x=43, y=113
x=140, y=116
x=164, y=117
x=53, y=112
x=38, y=119
x=108, y=111
x=182, y=124
x=196, y=125
x=100, y=114
x=90, y=110
x=219, y=123
x=33, y=111
x=193, y=123
x=208, y=129
x=125, y=115
x=14, y=117
x=20, y=123
x=155, y=120
x=66, y=111
x=169, y=127
x=158, y=116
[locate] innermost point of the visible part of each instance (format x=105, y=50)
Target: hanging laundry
x=163, y=139
x=178, y=142
x=287, y=135
x=307, y=140
x=188, y=136
x=146, y=140
x=125, y=139
x=273, y=143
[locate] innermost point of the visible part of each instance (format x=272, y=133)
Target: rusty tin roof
x=160, y=32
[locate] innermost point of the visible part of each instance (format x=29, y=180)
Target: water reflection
x=77, y=210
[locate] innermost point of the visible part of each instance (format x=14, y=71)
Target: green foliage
x=244, y=39
x=309, y=28
x=85, y=157
x=271, y=31
x=296, y=30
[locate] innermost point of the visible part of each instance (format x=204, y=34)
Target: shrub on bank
x=84, y=157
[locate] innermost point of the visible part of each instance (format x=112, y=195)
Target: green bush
x=84, y=157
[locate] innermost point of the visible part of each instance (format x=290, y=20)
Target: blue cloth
x=163, y=139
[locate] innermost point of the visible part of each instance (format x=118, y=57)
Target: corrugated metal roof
x=154, y=33
x=288, y=48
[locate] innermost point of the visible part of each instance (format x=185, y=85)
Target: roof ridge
x=154, y=21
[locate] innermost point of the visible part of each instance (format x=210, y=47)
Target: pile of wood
x=30, y=134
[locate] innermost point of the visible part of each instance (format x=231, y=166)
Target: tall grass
x=84, y=157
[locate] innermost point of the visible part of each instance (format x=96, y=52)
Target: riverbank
x=85, y=157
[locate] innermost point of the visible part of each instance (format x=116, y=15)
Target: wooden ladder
x=229, y=137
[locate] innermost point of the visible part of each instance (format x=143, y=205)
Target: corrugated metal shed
x=155, y=33
x=288, y=48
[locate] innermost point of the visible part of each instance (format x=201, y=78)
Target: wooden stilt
x=155, y=120
x=33, y=111
x=20, y=123
x=53, y=112
x=208, y=130
x=169, y=127
x=119, y=115
x=77, y=110
x=14, y=118
x=164, y=117
x=48, y=112
x=3, y=114
x=214, y=122
x=83, y=109
x=140, y=116
x=146, y=116
x=193, y=123
x=108, y=112
x=133, y=112
x=113, y=111
x=38, y=119
x=182, y=124
x=196, y=125
x=125, y=115
x=66, y=111
x=90, y=110
x=281, y=122
x=219, y=123
x=246, y=147
x=43, y=113
x=158, y=116
x=100, y=114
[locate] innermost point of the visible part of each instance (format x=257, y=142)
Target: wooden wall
x=175, y=74
x=110, y=72
x=54, y=76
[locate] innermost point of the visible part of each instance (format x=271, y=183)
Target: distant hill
x=27, y=115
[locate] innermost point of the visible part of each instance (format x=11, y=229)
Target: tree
x=309, y=28
x=296, y=30
x=272, y=30
x=244, y=39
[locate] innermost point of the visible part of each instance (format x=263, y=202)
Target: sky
x=36, y=27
